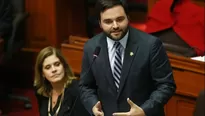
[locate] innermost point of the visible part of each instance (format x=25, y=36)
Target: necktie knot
x=117, y=45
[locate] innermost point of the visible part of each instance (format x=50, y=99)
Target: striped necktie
x=117, y=64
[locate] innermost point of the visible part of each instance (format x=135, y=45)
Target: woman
x=55, y=85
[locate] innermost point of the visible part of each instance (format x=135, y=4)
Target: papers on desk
x=199, y=58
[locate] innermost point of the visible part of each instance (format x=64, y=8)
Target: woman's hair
x=42, y=85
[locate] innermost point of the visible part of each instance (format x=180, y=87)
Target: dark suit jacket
x=146, y=79
x=200, y=104
x=5, y=17
x=70, y=98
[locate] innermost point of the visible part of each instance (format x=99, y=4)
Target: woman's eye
x=57, y=64
x=47, y=67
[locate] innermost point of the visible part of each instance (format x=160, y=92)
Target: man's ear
x=99, y=24
x=128, y=17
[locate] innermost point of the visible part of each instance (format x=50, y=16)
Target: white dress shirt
x=111, y=49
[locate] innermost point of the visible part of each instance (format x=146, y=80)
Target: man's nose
x=115, y=25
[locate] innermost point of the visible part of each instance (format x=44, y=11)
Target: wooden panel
x=39, y=28
x=186, y=64
x=63, y=20
x=78, y=18
x=188, y=83
x=52, y=21
x=77, y=40
x=180, y=106
x=72, y=50
x=73, y=55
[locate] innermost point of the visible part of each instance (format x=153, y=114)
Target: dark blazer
x=71, y=97
x=147, y=77
x=200, y=104
x=6, y=17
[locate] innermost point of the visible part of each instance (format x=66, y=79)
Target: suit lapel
x=130, y=53
x=106, y=63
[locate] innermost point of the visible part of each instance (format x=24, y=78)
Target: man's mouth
x=116, y=32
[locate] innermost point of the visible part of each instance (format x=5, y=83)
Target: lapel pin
x=131, y=53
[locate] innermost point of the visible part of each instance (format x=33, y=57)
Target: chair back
x=18, y=6
x=15, y=40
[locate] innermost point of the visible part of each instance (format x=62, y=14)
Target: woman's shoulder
x=70, y=95
x=77, y=108
x=38, y=96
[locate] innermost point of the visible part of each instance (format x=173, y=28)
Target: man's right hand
x=97, y=109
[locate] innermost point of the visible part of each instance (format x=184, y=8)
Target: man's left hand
x=134, y=110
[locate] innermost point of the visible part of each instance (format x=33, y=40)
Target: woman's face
x=53, y=69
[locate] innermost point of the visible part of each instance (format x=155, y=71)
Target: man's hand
x=97, y=109
x=134, y=110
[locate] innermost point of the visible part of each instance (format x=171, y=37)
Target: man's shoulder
x=94, y=41
x=143, y=36
x=95, y=38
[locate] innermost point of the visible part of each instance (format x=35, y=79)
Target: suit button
x=68, y=108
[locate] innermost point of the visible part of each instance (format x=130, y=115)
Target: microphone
x=95, y=55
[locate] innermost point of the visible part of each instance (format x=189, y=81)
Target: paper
x=199, y=58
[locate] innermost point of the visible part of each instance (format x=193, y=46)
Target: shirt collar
x=123, y=41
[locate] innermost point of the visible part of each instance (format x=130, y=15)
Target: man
x=132, y=75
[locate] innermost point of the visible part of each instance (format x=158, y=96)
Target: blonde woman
x=55, y=85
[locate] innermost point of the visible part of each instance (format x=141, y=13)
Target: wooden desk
x=188, y=74
x=189, y=78
x=73, y=51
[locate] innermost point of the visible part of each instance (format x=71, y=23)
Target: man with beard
x=131, y=75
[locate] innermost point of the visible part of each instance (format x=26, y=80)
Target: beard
x=119, y=36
